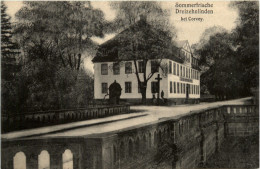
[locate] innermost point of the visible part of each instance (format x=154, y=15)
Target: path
x=146, y=114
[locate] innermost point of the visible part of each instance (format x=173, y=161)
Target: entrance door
x=187, y=90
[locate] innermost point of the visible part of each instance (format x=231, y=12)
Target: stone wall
x=191, y=139
x=46, y=118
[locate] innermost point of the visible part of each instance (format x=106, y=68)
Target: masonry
x=54, y=117
x=198, y=135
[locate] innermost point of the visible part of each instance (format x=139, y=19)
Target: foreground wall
x=191, y=139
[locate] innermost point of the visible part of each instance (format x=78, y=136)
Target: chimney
x=143, y=17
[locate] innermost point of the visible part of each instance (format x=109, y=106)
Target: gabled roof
x=109, y=51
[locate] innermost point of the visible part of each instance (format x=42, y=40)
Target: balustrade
x=198, y=129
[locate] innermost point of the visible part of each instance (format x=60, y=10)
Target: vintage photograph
x=129, y=84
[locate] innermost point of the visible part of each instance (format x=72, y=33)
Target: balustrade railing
x=51, y=117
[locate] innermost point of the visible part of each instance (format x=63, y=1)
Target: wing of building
x=180, y=84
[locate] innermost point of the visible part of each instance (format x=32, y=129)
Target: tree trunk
x=143, y=91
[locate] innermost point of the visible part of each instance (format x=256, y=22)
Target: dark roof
x=109, y=51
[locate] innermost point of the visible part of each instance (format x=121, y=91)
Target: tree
x=230, y=60
x=9, y=67
x=222, y=76
x=53, y=37
x=9, y=49
x=246, y=39
x=65, y=26
x=147, y=36
x=128, y=13
x=141, y=42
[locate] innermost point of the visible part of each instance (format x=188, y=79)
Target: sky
x=186, y=30
x=189, y=30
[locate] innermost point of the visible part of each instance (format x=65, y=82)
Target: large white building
x=181, y=83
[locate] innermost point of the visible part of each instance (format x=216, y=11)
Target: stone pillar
x=202, y=142
x=217, y=137
x=75, y=161
x=55, y=160
x=7, y=162
x=32, y=161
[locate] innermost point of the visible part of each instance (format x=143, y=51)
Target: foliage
x=65, y=26
x=129, y=13
x=52, y=36
x=146, y=36
x=9, y=67
x=8, y=47
x=246, y=38
x=230, y=60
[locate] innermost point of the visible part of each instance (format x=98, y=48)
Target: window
x=174, y=86
x=128, y=67
x=178, y=87
x=154, y=87
x=139, y=88
x=128, y=87
x=177, y=69
x=183, y=73
x=104, y=87
x=174, y=68
x=116, y=68
x=141, y=67
x=187, y=73
x=170, y=67
x=184, y=88
x=170, y=87
x=154, y=66
x=180, y=70
x=104, y=69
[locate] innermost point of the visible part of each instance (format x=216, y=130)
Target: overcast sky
x=191, y=31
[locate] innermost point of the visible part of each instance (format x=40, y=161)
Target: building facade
x=179, y=84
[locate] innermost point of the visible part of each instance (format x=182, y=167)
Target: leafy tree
x=128, y=13
x=141, y=42
x=65, y=26
x=222, y=76
x=53, y=37
x=246, y=39
x=146, y=36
